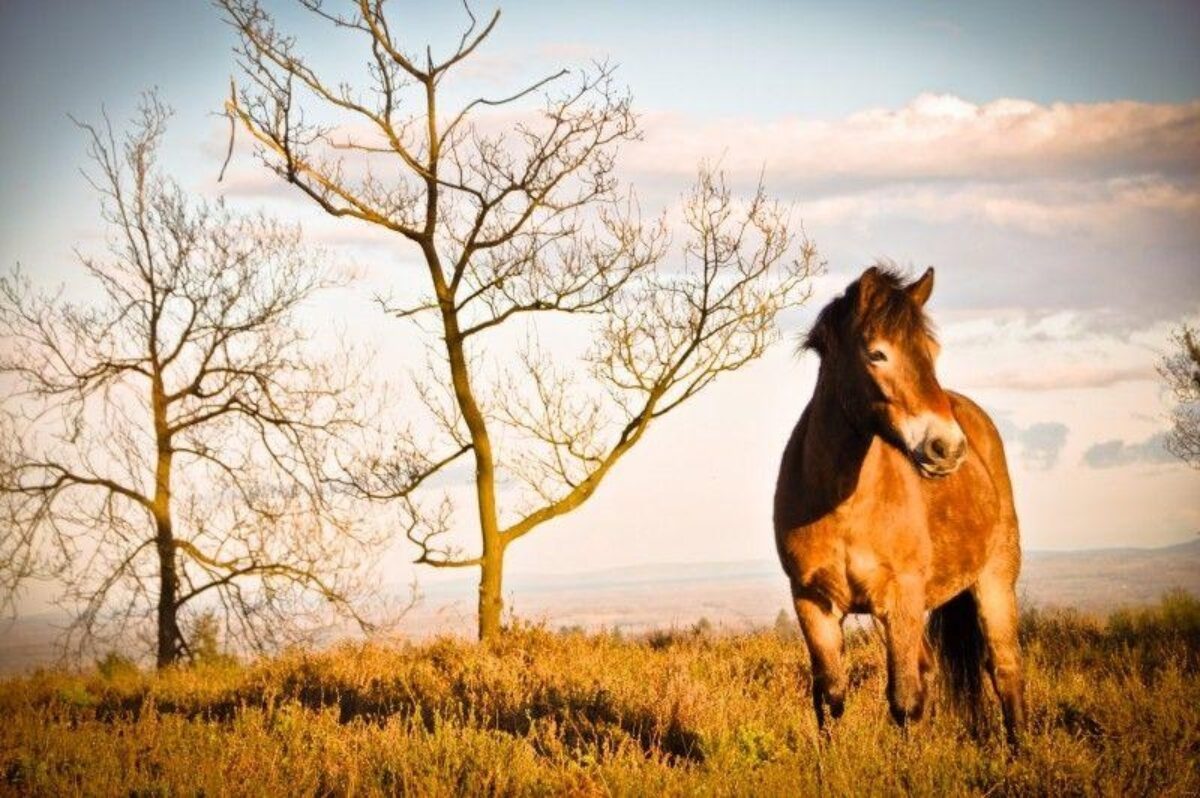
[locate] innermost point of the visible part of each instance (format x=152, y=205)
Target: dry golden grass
x=1115, y=708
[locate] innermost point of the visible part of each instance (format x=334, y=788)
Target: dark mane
x=874, y=304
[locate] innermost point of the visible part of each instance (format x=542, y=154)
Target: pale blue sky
x=1064, y=257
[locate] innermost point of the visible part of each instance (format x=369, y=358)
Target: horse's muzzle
x=941, y=455
x=935, y=443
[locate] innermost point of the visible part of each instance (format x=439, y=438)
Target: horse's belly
x=956, y=564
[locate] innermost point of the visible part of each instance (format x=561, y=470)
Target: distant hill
x=733, y=595
x=751, y=593
x=1102, y=579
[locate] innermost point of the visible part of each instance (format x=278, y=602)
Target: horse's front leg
x=821, y=622
x=908, y=657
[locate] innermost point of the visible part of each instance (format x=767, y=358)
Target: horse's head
x=876, y=346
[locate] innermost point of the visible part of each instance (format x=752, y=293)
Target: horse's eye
x=876, y=356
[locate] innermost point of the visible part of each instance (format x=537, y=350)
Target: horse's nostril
x=938, y=448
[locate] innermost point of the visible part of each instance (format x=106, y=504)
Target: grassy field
x=1115, y=708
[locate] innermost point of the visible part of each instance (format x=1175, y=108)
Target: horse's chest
x=853, y=555
x=887, y=513
x=885, y=543
x=858, y=573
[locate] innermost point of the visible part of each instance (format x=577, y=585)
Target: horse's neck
x=834, y=449
x=822, y=462
x=834, y=442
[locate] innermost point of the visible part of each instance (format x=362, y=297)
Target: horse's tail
x=958, y=639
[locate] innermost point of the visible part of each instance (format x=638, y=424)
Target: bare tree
x=164, y=443
x=514, y=207
x=1181, y=371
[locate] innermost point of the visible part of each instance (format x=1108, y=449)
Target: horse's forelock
x=877, y=304
x=885, y=308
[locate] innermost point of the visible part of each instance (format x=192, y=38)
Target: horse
x=894, y=499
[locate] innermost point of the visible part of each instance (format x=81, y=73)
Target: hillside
x=1100, y=580
x=1114, y=708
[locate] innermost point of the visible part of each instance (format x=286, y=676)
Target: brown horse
x=894, y=499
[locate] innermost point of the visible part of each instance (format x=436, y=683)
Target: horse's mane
x=875, y=303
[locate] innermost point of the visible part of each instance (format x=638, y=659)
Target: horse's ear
x=921, y=289
x=867, y=285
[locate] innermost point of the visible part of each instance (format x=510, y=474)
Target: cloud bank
x=937, y=137
x=1087, y=206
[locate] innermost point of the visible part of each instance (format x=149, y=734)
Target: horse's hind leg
x=996, y=597
x=928, y=667
x=821, y=623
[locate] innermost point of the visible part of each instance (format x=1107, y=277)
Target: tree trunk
x=170, y=640
x=491, y=597
x=491, y=601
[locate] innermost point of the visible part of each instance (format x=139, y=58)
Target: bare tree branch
x=1181, y=371
x=165, y=450
x=519, y=218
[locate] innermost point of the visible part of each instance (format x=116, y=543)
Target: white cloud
x=1064, y=376
x=936, y=136
x=1039, y=208
x=1084, y=169
x=1030, y=352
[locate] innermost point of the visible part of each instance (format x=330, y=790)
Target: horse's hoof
x=906, y=715
x=836, y=707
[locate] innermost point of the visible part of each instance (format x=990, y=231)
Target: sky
x=1043, y=157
